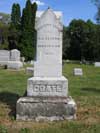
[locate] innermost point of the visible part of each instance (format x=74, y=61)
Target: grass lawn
x=84, y=89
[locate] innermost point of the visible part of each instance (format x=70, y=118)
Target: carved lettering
x=47, y=88
x=36, y=88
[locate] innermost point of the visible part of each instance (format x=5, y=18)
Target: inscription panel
x=47, y=88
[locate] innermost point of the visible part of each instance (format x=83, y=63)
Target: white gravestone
x=49, y=46
x=97, y=64
x=47, y=91
x=48, y=64
x=15, y=55
x=78, y=71
x=15, y=62
x=4, y=57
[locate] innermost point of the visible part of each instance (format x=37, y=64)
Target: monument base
x=15, y=64
x=47, y=86
x=45, y=108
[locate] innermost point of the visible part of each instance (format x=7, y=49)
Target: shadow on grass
x=93, y=90
x=10, y=99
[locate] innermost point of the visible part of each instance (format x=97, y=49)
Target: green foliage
x=66, y=42
x=15, y=16
x=84, y=41
x=15, y=25
x=97, y=3
x=3, y=129
x=4, y=30
x=28, y=39
x=24, y=130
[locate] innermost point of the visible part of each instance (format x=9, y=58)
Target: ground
x=84, y=89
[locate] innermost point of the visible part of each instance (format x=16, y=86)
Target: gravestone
x=4, y=57
x=15, y=62
x=15, y=55
x=78, y=71
x=47, y=91
x=29, y=70
x=97, y=64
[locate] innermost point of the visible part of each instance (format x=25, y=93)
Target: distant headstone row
x=10, y=58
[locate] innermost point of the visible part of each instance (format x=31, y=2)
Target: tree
x=28, y=30
x=4, y=30
x=77, y=29
x=83, y=40
x=15, y=16
x=66, y=42
x=97, y=3
x=14, y=30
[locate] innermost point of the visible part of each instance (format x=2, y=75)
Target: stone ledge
x=45, y=109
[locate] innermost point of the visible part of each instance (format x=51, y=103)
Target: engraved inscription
x=47, y=88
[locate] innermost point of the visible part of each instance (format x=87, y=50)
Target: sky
x=71, y=9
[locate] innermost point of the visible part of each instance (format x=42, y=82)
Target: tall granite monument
x=47, y=91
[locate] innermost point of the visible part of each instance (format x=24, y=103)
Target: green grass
x=84, y=89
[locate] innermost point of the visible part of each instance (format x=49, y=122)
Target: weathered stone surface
x=45, y=108
x=47, y=92
x=38, y=86
x=49, y=46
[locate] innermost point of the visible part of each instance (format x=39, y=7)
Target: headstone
x=29, y=70
x=47, y=91
x=32, y=62
x=78, y=71
x=4, y=57
x=97, y=64
x=15, y=55
x=15, y=62
x=11, y=59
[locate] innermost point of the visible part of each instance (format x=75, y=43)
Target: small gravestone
x=4, y=57
x=29, y=70
x=78, y=71
x=15, y=55
x=15, y=62
x=32, y=62
x=97, y=64
x=47, y=91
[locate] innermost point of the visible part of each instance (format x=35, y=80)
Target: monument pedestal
x=46, y=100
x=45, y=108
x=47, y=86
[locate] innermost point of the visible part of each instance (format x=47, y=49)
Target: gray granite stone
x=45, y=108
